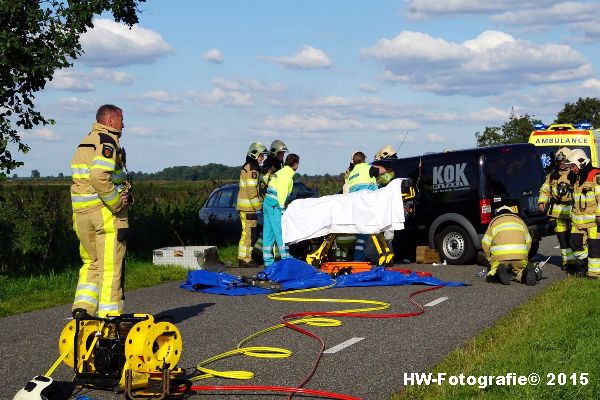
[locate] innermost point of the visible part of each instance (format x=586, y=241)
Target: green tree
x=38, y=37
x=584, y=110
x=516, y=130
x=35, y=174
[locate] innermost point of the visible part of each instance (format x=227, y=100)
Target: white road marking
x=435, y=302
x=343, y=345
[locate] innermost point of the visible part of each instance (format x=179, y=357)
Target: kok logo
x=449, y=177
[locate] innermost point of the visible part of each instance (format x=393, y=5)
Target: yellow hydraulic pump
x=122, y=352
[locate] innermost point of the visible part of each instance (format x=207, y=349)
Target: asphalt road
x=371, y=368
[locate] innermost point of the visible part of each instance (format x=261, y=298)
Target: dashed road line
x=435, y=302
x=343, y=345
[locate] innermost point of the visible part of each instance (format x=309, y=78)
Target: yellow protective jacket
x=97, y=171
x=361, y=179
x=586, y=200
x=506, y=238
x=280, y=187
x=248, y=198
x=560, y=206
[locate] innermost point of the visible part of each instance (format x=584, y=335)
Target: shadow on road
x=180, y=314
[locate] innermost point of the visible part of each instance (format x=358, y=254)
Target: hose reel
x=122, y=352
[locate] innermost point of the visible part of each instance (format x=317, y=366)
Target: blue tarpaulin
x=295, y=274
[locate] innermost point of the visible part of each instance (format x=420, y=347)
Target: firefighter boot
x=529, y=276
x=504, y=274
x=581, y=268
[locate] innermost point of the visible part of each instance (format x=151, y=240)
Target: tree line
x=518, y=128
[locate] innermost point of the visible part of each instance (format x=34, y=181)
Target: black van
x=458, y=193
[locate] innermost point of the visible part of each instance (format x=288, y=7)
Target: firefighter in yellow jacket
x=99, y=197
x=506, y=245
x=586, y=215
x=556, y=197
x=249, y=202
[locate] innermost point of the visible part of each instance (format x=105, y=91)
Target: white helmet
x=577, y=157
x=561, y=154
x=385, y=152
x=256, y=149
x=276, y=147
x=504, y=208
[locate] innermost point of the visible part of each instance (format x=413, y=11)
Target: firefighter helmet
x=276, y=147
x=504, y=208
x=561, y=154
x=385, y=152
x=256, y=149
x=577, y=157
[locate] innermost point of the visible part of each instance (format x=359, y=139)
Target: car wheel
x=535, y=246
x=455, y=246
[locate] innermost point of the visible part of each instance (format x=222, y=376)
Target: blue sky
x=200, y=80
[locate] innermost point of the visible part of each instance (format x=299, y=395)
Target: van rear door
x=513, y=174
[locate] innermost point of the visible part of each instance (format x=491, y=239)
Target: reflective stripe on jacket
x=560, y=206
x=506, y=238
x=248, y=199
x=586, y=198
x=280, y=187
x=97, y=171
x=360, y=179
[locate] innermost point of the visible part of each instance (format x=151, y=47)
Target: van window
x=547, y=154
x=511, y=172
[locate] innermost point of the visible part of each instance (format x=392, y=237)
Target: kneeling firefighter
x=506, y=245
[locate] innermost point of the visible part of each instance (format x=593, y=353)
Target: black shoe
x=581, y=268
x=529, y=276
x=504, y=274
x=538, y=273
x=251, y=264
x=81, y=313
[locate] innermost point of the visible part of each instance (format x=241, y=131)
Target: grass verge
x=556, y=332
x=19, y=294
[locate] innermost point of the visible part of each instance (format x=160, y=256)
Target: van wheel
x=455, y=246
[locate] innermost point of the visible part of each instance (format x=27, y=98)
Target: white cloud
x=75, y=104
x=161, y=96
x=71, y=81
x=489, y=64
x=161, y=110
x=213, y=55
x=220, y=96
x=118, y=77
x=435, y=138
x=43, y=134
x=247, y=85
x=303, y=123
x=562, y=13
x=307, y=58
x=144, y=131
x=367, y=88
x=422, y=9
x=111, y=44
x=396, y=125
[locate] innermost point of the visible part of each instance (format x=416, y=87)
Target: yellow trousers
x=102, y=237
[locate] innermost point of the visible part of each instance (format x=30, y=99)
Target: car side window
x=225, y=198
x=212, y=202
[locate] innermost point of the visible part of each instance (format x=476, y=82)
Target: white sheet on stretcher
x=365, y=211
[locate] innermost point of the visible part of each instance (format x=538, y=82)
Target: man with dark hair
x=278, y=191
x=99, y=197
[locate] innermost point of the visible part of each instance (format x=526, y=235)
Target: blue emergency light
x=584, y=126
x=540, y=127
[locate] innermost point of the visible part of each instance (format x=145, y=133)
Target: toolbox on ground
x=191, y=257
x=427, y=255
